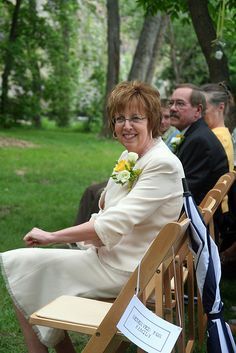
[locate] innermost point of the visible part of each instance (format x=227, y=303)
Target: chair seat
x=73, y=313
x=100, y=319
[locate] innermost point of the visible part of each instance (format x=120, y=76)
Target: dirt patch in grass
x=6, y=210
x=12, y=142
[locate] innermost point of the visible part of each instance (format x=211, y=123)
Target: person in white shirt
x=143, y=194
x=89, y=200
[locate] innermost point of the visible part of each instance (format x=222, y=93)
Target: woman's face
x=214, y=115
x=133, y=134
x=210, y=114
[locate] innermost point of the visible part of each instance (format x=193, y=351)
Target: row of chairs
x=208, y=208
x=166, y=278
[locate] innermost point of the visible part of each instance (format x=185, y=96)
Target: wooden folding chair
x=223, y=185
x=100, y=318
x=208, y=207
x=214, y=198
x=173, y=282
x=227, y=178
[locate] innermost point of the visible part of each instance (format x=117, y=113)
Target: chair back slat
x=156, y=254
x=163, y=283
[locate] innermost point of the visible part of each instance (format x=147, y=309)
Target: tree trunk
x=173, y=55
x=36, y=77
x=144, y=49
x=203, y=25
x=8, y=62
x=156, y=49
x=113, y=37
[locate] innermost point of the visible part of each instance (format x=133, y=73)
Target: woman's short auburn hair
x=142, y=94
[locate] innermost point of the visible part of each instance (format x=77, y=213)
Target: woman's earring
x=114, y=135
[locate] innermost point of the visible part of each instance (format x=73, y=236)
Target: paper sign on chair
x=147, y=330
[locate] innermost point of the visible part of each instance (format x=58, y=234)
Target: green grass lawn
x=41, y=185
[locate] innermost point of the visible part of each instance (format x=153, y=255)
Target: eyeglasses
x=179, y=104
x=120, y=120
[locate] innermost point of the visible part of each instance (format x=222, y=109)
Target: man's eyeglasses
x=120, y=120
x=179, y=104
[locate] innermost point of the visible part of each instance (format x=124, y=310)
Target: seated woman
x=143, y=194
x=89, y=200
x=219, y=101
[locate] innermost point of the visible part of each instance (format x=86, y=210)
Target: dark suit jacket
x=203, y=157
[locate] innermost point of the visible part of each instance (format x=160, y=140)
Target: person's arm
x=74, y=234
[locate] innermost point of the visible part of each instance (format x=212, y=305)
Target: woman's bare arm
x=82, y=232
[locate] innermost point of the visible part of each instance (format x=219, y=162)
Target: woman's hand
x=38, y=237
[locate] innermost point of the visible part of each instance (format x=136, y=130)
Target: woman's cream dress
x=127, y=225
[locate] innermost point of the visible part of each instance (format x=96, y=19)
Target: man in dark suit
x=202, y=155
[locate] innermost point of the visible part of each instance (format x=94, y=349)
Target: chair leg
x=65, y=345
x=180, y=304
x=190, y=284
x=124, y=345
x=159, y=291
x=117, y=346
x=201, y=321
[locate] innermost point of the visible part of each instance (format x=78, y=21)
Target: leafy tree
x=206, y=33
x=42, y=64
x=28, y=83
x=113, y=68
x=156, y=48
x=8, y=61
x=182, y=60
x=144, y=47
x=203, y=14
x=24, y=91
x=54, y=57
x=92, y=62
x=34, y=61
x=60, y=90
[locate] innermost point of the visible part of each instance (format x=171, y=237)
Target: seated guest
x=89, y=200
x=143, y=194
x=219, y=99
x=201, y=153
x=219, y=102
x=168, y=131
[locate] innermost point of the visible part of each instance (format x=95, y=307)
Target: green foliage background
x=60, y=55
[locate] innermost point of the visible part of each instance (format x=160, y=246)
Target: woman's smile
x=129, y=136
x=133, y=132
